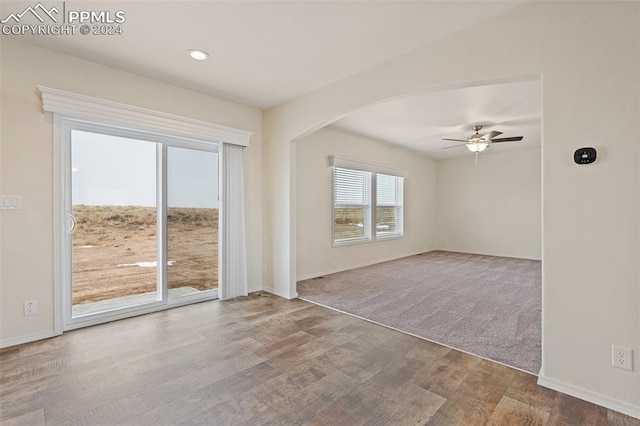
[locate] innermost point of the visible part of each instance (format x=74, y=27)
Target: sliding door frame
x=63, y=127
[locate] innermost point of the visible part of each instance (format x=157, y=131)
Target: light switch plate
x=10, y=202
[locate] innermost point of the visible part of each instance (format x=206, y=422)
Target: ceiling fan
x=478, y=143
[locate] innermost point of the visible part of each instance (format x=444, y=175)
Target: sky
x=115, y=171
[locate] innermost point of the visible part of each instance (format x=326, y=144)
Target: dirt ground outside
x=114, y=250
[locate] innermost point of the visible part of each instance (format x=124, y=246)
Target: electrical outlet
x=622, y=357
x=30, y=307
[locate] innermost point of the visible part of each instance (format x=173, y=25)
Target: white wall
x=26, y=265
x=493, y=209
x=588, y=54
x=315, y=254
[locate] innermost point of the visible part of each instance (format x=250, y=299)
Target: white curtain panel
x=233, y=264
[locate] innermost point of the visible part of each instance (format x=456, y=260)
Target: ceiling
x=420, y=121
x=262, y=53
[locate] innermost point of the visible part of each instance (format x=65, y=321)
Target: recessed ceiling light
x=198, y=54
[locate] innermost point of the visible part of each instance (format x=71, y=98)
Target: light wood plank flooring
x=267, y=360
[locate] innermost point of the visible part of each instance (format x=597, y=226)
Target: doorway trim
x=64, y=231
x=119, y=116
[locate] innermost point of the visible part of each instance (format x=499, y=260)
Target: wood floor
x=267, y=360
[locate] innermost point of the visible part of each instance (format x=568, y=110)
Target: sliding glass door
x=141, y=223
x=114, y=239
x=192, y=221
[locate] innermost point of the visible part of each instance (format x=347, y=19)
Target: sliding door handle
x=71, y=222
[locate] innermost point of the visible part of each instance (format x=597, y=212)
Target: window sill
x=389, y=237
x=351, y=242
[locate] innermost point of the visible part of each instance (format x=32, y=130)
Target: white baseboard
x=482, y=253
x=595, y=398
x=359, y=265
x=253, y=289
x=286, y=295
x=27, y=338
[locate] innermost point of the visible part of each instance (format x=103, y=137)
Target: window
x=355, y=191
x=388, y=206
x=352, y=205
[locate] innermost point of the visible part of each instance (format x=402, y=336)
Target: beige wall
x=315, y=254
x=26, y=266
x=493, y=209
x=588, y=56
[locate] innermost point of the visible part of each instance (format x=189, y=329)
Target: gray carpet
x=485, y=305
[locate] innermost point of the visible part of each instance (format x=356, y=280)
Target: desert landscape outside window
x=192, y=221
x=115, y=206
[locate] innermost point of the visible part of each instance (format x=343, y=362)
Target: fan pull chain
x=476, y=159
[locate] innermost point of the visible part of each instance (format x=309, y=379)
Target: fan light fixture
x=478, y=143
x=477, y=146
x=197, y=54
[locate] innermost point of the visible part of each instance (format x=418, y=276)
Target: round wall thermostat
x=584, y=155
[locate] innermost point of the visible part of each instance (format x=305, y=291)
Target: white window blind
x=351, y=205
x=351, y=187
x=233, y=271
x=389, y=191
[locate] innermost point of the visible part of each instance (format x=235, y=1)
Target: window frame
x=368, y=210
x=371, y=232
x=64, y=127
x=399, y=208
x=122, y=120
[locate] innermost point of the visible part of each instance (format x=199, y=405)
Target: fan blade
x=455, y=140
x=513, y=139
x=454, y=146
x=492, y=134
